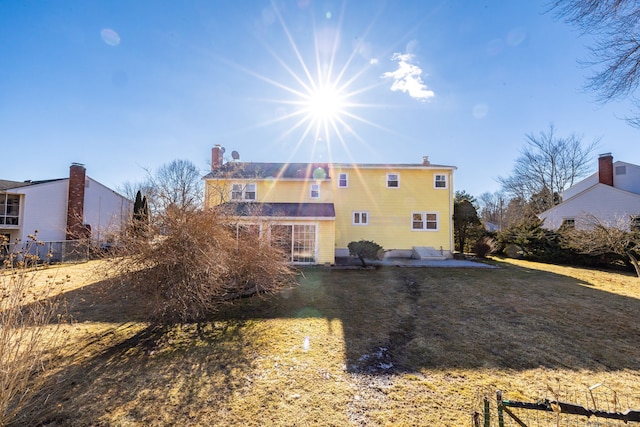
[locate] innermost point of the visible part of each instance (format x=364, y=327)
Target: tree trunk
x=634, y=262
x=364, y=264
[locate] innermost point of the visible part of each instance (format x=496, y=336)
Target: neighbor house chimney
x=605, y=169
x=216, y=156
x=425, y=160
x=75, y=205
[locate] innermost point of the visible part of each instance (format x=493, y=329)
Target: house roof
x=608, y=198
x=9, y=185
x=271, y=170
x=297, y=171
x=291, y=210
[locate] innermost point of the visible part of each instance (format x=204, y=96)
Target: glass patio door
x=298, y=241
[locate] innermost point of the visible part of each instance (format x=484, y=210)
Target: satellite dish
x=235, y=155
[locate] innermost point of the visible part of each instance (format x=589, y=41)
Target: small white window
x=343, y=180
x=315, y=191
x=360, y=218
x=621, y=170
x=393, y=180
x=243, y=192
x=635, y=223
x=236, y=192
x=424, y=221
x=250, y=192
x=569, y=222
x=441, y=181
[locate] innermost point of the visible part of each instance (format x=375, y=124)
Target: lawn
x=393, y=346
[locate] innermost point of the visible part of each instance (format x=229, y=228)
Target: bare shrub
x=198, y=261
x=485, y=246
x=29, y=330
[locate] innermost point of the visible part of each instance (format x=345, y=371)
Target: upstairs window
x=621, y=170
x=9, y=209
x=236, y=192
x=393, y=180
x=240, y=192
x=343, y=180
x=441, y=181
x=424, y=221
x=569, y=223
x=360, y=218
x=250, y=192
x=635, y=223
x=315, y=191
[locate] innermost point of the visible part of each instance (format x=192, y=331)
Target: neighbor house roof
x=9, y=185
x=291, y=210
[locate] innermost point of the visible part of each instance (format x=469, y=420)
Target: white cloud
x=406, y=78
x=373, y=61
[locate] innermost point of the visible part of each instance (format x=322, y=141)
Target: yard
x=393, y=346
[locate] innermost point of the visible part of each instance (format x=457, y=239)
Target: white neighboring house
x=62, y=209
x=611, y=195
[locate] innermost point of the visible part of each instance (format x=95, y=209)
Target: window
x=315, y=191
x=424, y=221
x=393, y=180
x=236, y=192
x=240, y=192
x=621, y=170
x=360, y=218
x=441, y=181
x=343, y=180
x=250, y=192
x=9, y=209
x=635, y=223
x=569, y=222
x=297, y=241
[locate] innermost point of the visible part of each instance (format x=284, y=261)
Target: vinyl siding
x=273, y=191
x=605, y=202
x=390, y=209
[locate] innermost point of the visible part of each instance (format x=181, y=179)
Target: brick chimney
x=605, y=169
x=216, y=156
x=75, y=204
x=425, y=161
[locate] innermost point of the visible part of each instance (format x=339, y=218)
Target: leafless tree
x=616, y=51
x=595, y=236
x=176, y=185
x=548, y=164
x=492, y=206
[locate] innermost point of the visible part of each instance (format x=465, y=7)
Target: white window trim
x=311, y=189
x=398, y=179
x=243, y=192
x=353, y=218
x=346, y=180
x=424, y=221
x=435, y=181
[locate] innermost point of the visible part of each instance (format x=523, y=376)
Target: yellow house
x=320, y=207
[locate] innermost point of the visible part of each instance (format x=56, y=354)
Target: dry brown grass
x=394, y=346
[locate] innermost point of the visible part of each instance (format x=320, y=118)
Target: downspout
x=451, y=213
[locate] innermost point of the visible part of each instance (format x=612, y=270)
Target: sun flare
x=324, y=103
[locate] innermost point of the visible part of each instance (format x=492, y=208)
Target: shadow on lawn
x=156, y=375
x=393, y=319
x=416, y=318
x=401, y=319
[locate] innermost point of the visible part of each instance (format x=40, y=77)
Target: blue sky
x=126, y=86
